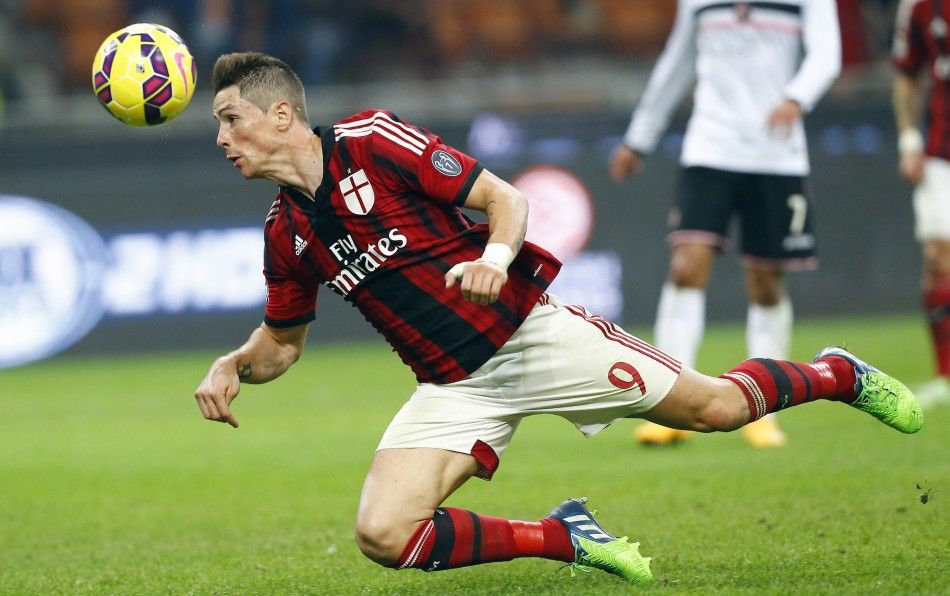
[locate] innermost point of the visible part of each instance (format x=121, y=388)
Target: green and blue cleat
x=880, y=394
x=595, y=547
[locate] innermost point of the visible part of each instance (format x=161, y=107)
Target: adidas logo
x=299, y=245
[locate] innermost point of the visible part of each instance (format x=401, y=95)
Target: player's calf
x=770, y=385
x=459, y=538
x=837, y=375
x=723, y=413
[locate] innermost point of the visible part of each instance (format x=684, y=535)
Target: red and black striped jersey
x=921, y=41
x=382, y=231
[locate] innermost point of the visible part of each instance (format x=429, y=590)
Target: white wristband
x=910, y=141
x=499, y=254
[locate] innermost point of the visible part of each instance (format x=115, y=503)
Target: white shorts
x=932, y=201
x=563, y=361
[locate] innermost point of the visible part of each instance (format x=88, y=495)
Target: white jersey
x=747, y=58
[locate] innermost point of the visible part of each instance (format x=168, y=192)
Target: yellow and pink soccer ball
x=144, y=74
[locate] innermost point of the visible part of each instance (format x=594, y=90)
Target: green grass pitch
x=111, y=483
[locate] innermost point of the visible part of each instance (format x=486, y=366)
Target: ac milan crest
x=358, y=193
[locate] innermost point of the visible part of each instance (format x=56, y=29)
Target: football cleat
x=764, y=433
x=651, y=433
x=880, y=394
x=595, y=547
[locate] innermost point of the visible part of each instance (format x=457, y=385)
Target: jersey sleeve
x=821, y=65
x=909, y=50
x=418, y=160
x=668, y=83
x=446, y=174
x=289, y=301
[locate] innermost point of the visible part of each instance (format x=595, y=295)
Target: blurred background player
x=920, y=43
x=759, y=67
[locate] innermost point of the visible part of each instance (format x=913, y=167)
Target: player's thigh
x=777, y=222
x=932, y=202
x=469, y=417
x=404, y=487
x=586, y=369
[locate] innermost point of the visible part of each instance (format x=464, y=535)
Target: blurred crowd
x=46, y=46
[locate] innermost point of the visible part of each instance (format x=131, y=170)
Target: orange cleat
x=650, y=433
x=764, y=433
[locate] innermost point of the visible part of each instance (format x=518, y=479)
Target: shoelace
x=575, y=567
x=891, y=398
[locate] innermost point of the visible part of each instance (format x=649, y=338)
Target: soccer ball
x=144, y=74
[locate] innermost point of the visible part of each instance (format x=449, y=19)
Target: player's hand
x=783, y=118
x=912, y=166
x=481, y=280
x=216, y=392
x=624, y=162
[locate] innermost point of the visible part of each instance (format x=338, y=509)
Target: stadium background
x=517, y=84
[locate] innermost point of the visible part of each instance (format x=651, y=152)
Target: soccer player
x=369, y=208
x=759, y=66
x=920, y=43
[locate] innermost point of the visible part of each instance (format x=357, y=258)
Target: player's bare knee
x=685, y=273
x=939, y=269
x=937, y=257
x=378, y=540
x=691, y=265
x=687, y=276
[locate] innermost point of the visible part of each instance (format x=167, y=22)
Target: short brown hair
x=261, y=80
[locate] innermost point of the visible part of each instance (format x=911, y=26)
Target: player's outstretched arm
x=507, y=211
x=266, y=355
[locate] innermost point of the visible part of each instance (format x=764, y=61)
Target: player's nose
x=222, y=140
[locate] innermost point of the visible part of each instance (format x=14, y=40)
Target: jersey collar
x=327, y=138
x=322, y=193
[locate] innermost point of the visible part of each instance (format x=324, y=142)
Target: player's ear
x=283, y=114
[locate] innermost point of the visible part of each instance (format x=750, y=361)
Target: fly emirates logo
x=355, y=264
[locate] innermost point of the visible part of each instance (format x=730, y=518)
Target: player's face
x=243, y=132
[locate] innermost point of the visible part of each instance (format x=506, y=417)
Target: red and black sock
x=937, y=307
x=772, y=385
x=459, y=538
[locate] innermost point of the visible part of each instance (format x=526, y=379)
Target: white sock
x=680, y=322
x=768, y=331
